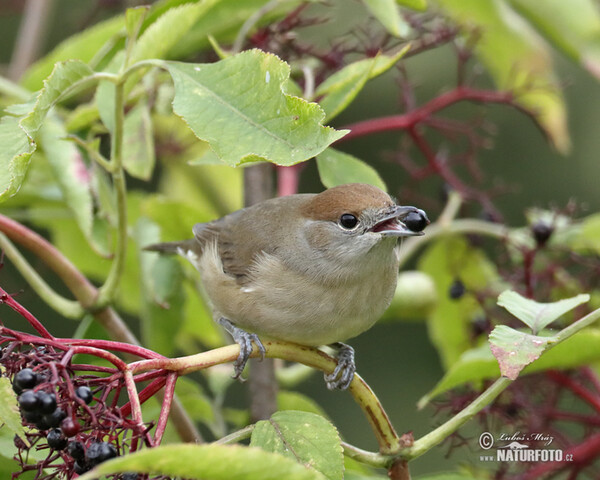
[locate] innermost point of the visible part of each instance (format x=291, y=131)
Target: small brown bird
x=312, y=269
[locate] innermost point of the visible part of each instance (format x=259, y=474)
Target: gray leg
x=244, y=340
x=343, y=374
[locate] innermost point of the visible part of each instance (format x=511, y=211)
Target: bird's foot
x=244, y=340
x=343, y=374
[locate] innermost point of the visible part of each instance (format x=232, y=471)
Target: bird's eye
x=348, y=221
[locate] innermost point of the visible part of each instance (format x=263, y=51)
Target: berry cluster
x=74, y=416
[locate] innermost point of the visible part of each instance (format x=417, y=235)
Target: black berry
x=42, y=423
x=542, y=232
x=56, y=440
x=53, y=419
x=100, y=452
x=85, y=394
x=457, y=289
x=416, y=221
x=69, y=427
x=47, y=401
x=32, y=417
x=25, y=378
x=80, y=467
x=28, y=401
x=76, y=450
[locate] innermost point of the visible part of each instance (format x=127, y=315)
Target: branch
x=418, y=115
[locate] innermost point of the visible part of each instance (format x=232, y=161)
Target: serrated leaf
x=387, y=12
x=338, y=168
x=479, y=364
x=538, y=315
x=239, y=107
x=207, y=462
x=224, y=21
x=138, y=142
x=9, y=410
x=419, y=5
x=168, y=30
x=517, y=59
x=343, y=86
x=573, y=27
x=304, y=437
x=515, y=350
x=82, y=46
x=17, y=141
x=15, y=154
x=65, y=79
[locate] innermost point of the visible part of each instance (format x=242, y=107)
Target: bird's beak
x=391, y=223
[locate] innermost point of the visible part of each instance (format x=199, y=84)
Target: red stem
x=576, y=388
x=166, y=407
x=21, y=310
x=581, y=455
x=145, y=394
x=112, y=345
x=83, y=290
x=410, y=119
x=288, y=179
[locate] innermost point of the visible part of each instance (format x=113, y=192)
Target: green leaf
x=517, y=59
x=168, y=30
x=17, y=144
x=415, y=297
x=224, y=21
x=82, y=46
x=304, y=437
x=207, y=462
x=138, y=142
x=162, y=292
x=15, y=154
x=194, y=400
x=479, y=364
x=134, y=18
x=338, y=168
x=573, y=27
x=343, y=86
x=538, y=315
x=449, y=324
x=252, y=119
x=66, y=78
x=419, y=5
x=473, y=365
x=387, y=12
x=73, y=178
x=9, y=410
x=515, y=350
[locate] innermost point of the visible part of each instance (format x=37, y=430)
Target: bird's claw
x=343, y=374
x=244, y=339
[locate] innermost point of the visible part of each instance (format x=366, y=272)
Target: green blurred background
x=396, y=359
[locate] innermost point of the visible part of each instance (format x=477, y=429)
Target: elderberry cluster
x=74, y=416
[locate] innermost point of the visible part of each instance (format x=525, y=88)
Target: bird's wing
x=237, y=253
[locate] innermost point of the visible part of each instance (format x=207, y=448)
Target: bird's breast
x=299, y=307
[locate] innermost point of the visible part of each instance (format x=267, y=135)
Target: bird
x=311, y=269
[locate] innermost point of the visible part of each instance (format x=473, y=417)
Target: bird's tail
x=173, y=247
